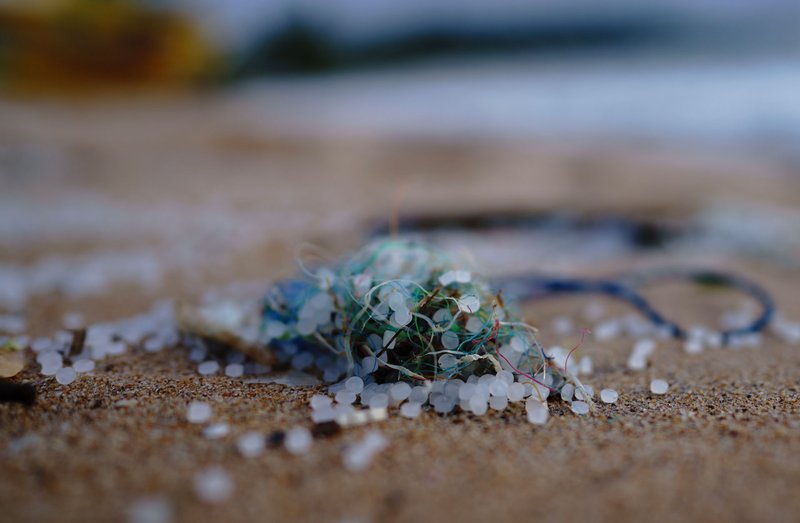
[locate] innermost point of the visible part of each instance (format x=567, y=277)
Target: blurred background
x=709, y=71
x=177, y=149
x=147, y=143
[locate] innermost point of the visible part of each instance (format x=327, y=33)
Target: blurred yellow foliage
x=74, y=45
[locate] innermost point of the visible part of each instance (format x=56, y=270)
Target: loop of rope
x=536, y=286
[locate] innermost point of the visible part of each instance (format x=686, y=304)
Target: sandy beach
x=201, y=196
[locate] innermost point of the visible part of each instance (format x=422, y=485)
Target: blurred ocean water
x=730, y=102
x=706, y=72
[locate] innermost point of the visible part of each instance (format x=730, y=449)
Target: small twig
x=78, y=341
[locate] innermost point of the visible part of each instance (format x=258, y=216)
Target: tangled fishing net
x=403, y=310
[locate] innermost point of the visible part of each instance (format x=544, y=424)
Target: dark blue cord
x=531, y=287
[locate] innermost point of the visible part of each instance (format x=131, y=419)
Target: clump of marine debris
x=398, y=327
x=403, y=321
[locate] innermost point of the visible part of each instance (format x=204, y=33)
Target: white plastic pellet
x=369, y=364
x=447, y=278
x=251, y=444
x=410, y=410
x=359, y=456
x=498, y=387
x=331, y=374
x=216, y=431
x=389, y=339
x=469, y=304
x=400, y=391
x=323, y=414
x=345, y=397
x=65, y=375
x=395, y=301
x=713, y=339
x=234, y=370
x=298, y=440
x=589, y=393
x=437, y=387
x=73, y=321
x=419, y=394
x=478, y=405
x=115, y=348
x=319, y=400
x=306, y=326
x=607, y=330
x=745, y=340
x=50, y=369
x=274, y=330
x=498, y=403
x=213, y=485
x=515, y=392
x=537, y=411
x=150, y=510
x=528, y=388
x=636, y=326
x=580, y=408
x=693, y=346
x=519, y=344
x=474, y=324
x=378, y=401
x=442, y=404
x=347, y=416
x=506, y=376
x=198, y=412
x=482, y=391
x=637, y=362
x=447, y=362
x=208, y=368
x=608, y=396
x=659, y=387
x=642, y=350
x=787, y=330
x=49, y=358
x=540, y=391
x=401, y=317
x=463, y=276
x=153, y=345
x=645, y=347
x=567, y=391
x=63, y=337
x=354, y=384
x=466, y=391
x=441, y=316
x=450, y=340
x=84, y=365
x=41, y=344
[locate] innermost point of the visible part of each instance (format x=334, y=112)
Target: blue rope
x=534, y=286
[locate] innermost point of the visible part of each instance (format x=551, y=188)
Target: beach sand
x=721, y=445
